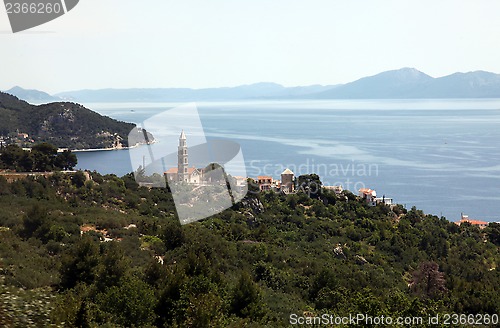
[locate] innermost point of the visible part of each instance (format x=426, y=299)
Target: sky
x=200, y=43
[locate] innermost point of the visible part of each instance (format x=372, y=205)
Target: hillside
x=63, y=124
x=254, y=265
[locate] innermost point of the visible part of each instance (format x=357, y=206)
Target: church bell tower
x=182, y=159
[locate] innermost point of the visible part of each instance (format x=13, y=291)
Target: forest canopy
x=98, y=250
x=42, y=157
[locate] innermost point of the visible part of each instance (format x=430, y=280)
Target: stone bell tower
x=182, y=159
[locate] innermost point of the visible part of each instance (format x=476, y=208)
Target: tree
x=113, y=265
x=428, y=281
x=310, y=184
x=246, y=299
x=78, y=179
x=66, y=160
x=44, y=155
x=172, y=235
x=26, y=162
x=493, y=233
x=11, y=156
x=81, y=264
x=131, y=303
x=34, y=221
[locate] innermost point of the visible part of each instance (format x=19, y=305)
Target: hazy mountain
x=411, y=83
x=478, y=84
x=401, y=83
x=390, y=84
x=31, y=95
x=63, y=124
x=252, y=91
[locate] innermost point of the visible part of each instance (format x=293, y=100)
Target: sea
x=441, y=156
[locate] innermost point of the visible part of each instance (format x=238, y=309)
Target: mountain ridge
x=401, y=83
x=412, y=84
x=261, y=90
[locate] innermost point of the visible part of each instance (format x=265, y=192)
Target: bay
x=441, y=156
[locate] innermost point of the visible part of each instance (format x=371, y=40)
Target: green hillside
x=254, y=265
x=63, y=124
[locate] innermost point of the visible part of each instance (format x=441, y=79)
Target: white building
x=369, y=196
x=384, y=200
x=336, y=189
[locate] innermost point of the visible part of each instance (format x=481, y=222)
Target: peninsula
x=63, y=124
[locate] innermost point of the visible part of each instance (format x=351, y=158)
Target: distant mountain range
x=252, y=91
x=397, y=84
x=63, y=124
x=410, y=83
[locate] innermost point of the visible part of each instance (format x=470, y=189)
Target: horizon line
x=247, y=84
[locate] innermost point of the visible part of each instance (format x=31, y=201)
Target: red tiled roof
x=366, y=191
x=264, y=177
x=175, y=170
x=475, y=222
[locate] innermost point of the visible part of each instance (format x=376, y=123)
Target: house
x=241, y=182
x=465, y=218
x=369, y=196
x=265, y=182
x=336, y=189
x=384, y=200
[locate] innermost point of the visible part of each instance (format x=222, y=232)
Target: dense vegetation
x=252, y=265
x=42, y=157
x=63, y=124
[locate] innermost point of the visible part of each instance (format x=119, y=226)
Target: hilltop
x=31, y=95
x=63, y=124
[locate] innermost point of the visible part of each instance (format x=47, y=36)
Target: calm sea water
x=442, y=156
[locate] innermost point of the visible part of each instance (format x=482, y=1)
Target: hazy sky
x=211, y=43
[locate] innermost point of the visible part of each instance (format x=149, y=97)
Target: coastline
x=105, y=149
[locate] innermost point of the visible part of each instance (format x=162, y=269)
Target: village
x=21, y=139
x=287, y=184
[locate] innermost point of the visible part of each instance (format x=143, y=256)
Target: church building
x=184, y=173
